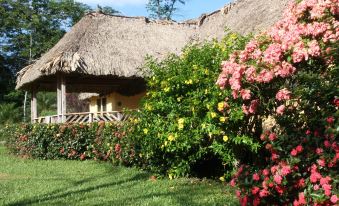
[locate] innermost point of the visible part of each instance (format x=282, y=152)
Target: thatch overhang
x=101, y=47
x=104, y=48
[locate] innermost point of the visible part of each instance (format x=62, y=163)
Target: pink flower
x=255, y=190
x=264, y=76
x=285, y=170
x=256, y=177
x=299, y=53
x=232, y=183
x=301, y=183
x=272, y=136
x=285, y=70
x=277, y=179
x=281, y=110
x=321, y=162
x=325, y=180
x=253, y=106
x=302, y=200
x=245, y=109
x=319, y=151
x=251, y=46
x=265, y=172
x=294, y=152
x=299, y=148
x=316, y=187
x=327, y=144
x=314, y=49
x=264, y=193
x=334, y=199
x=273, y=53
x=250, y=74
x=283, y=94
x=330, y=120
x=245, y=94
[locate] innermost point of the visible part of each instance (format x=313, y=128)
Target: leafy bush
x=290, y=75
x=101, y=141
x=9, y=113
x=179, y=129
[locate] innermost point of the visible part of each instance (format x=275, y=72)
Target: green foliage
x=180, y=125
x=9, y=113
x=163, y=9
x=104, y=141
x=46, y=102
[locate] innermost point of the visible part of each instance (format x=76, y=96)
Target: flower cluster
x=289, y=74
x=276, y=53
x=306, y=176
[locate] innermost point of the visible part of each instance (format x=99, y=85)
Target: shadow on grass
x=60, y=193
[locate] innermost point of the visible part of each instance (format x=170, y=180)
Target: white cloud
x=114, y=2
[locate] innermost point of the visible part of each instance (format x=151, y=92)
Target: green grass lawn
x=60, y=182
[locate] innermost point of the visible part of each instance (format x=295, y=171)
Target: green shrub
x=179, y=129
x=101, y=141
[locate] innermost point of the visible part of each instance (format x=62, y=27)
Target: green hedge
x=101, y=141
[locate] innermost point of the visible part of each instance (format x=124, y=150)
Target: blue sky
x=192, y=8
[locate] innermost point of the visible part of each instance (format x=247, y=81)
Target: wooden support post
x=90, y=117
x=63, y=99
x=34, y=111
x=59, y=98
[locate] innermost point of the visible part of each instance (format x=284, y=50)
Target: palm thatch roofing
x=102, y=47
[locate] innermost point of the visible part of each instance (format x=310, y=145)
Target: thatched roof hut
x=101, y=47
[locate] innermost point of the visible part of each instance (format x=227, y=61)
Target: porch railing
x=84, y=117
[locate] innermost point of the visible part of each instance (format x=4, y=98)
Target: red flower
x=330, y=120
x=256, y=177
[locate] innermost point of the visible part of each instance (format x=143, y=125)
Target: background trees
x=28, y=28
x=163, y=9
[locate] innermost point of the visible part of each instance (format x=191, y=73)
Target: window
x=103, y=104
x=99, y=105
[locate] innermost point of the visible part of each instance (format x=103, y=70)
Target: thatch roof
x=116, y=46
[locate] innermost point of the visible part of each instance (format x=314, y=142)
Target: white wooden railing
x=84, y=117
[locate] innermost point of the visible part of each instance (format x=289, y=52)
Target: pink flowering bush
x=289, y=74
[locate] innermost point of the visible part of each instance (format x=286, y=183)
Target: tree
x=28, y=28
x=162, y=9
x=107, y=10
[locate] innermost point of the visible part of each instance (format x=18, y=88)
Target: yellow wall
x=113, y=100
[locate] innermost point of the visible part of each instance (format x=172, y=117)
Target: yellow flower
x=213, y=114
x=221, y=106
x=181, y=121
x=206, y=91
x=190, y=81
x=179, y=99
x=145, y=131
x=222, y=179
x=222, y=119
x=167, y=89
x=181, y=126
x=225, y=138
x=206, y=71
x=171, y=138
x=170, y=176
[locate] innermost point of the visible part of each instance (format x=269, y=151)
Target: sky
x=192, y=8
